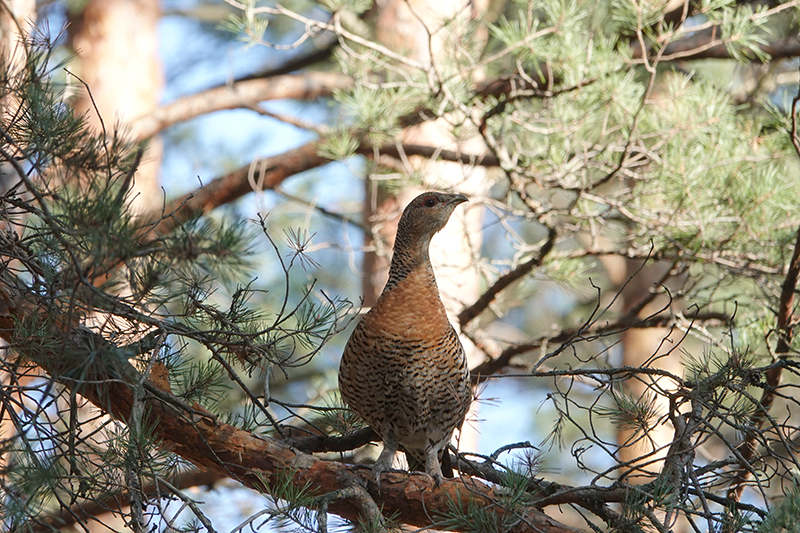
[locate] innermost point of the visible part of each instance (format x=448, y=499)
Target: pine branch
x=706, y=45
x=251, y=459
x=260, y=175
x=434, y=153
x=596, y=330
x=242, y=94
x=786, y=324
x=268, y=173
x=322, y=53
x=80, y=513
x=470, y=313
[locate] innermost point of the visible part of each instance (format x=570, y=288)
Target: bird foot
x=432, y=466
x=379, y=468
x=437, y=478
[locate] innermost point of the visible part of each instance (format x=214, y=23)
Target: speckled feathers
x=404, y=369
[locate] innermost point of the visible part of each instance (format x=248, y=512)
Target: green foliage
x=634, y=510
x=473, y=517
x=247, y=25
x=336, y=418
x=291, y=503
x=555, y=438
x=514, y=493
x=339, y=145
x=735, y=520
x=375, y=113
x=631, y=413
x=639, y=160
x=204, y=247
x=566, y=271
x=355, y=6
x=741, y=30
x=783, y=517
x=635, y=16
x=198, y=381
x=111, y=298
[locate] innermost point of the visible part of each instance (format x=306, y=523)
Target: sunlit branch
x=243, y=94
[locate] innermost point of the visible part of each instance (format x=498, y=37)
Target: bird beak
x=458, y=199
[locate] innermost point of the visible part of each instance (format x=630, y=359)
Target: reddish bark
x=254, y=460
x=116, y=42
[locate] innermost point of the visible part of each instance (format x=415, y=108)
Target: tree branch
x=268, y=173
x=322, y=52
x=434, y=153
x=467, y=315
x=327, y=443
x=786, y=322
x=707, y=45
x=261, y=174
x=241, y=94
x=81, y=512
x=481, y=372
x=254, y=460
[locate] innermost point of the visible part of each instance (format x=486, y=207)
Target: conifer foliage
x=135, y=351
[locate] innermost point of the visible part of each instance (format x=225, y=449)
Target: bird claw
x=432, y=466
x=377, y=470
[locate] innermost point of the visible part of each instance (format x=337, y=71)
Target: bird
x=404, y=369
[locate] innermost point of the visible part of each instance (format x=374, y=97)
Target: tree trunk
x=648, y=347
x=119, y=79
x=118, y=61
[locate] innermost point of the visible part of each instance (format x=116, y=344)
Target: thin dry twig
x=471, y=312
x=786, y=324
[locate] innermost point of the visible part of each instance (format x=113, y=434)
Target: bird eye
x=429, y=202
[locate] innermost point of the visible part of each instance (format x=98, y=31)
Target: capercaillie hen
x=404, y=370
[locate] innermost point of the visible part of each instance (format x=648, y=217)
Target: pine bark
x=121, y=77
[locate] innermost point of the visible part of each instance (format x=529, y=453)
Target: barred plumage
x=404, y=369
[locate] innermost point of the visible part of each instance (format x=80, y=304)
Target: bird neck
x=406, y=258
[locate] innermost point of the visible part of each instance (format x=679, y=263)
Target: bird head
x=425, y=215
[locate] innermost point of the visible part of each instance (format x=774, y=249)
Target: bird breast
x=404, y=370
x=410, y=309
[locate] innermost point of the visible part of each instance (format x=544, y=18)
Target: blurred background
x=610, y=161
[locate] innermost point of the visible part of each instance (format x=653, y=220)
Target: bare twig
x=80, y=513
x=187, y=502
x=482, y=372
x=786, y=323
x=469, y=314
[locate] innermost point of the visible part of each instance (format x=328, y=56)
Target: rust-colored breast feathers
x=404, y=369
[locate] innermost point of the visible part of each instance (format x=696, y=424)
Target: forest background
x=180, y=267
